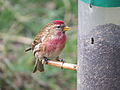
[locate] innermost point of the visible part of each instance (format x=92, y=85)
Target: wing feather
x=41, y=36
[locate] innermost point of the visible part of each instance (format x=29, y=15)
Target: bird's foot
x=45, y=60
x=61, y=60
x=62, y=63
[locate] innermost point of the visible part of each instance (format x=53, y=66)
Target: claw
x=61, y=60
x=62, y=64
x=45, y=60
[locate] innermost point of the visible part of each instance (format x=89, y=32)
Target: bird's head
x=60, y=26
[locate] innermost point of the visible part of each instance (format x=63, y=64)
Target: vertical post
x=98, y=52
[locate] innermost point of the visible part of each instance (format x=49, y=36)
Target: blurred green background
x=20, y=21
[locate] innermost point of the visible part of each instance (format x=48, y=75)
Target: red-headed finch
x=49, y=43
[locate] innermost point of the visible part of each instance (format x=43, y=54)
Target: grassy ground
x=20, y=20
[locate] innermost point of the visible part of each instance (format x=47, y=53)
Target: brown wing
x=39, y=38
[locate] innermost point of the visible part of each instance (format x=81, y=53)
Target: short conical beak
x=66, y=28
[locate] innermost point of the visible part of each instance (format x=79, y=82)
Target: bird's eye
x=58, y=26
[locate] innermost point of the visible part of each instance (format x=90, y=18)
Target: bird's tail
x=28, y=49
x=38, y=66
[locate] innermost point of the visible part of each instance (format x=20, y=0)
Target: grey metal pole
x=98, y=55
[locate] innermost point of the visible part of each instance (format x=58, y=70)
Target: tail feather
x=38, y=66
x=28, y=49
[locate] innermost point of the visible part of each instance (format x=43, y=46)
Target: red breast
x=56, y=43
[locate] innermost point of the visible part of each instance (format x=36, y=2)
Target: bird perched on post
x=49, y=43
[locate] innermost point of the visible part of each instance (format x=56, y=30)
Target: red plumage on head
x=58, y=22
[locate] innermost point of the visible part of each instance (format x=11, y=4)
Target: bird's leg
x=61, y=60
x=45, y=59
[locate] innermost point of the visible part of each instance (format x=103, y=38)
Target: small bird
x=49, y=43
